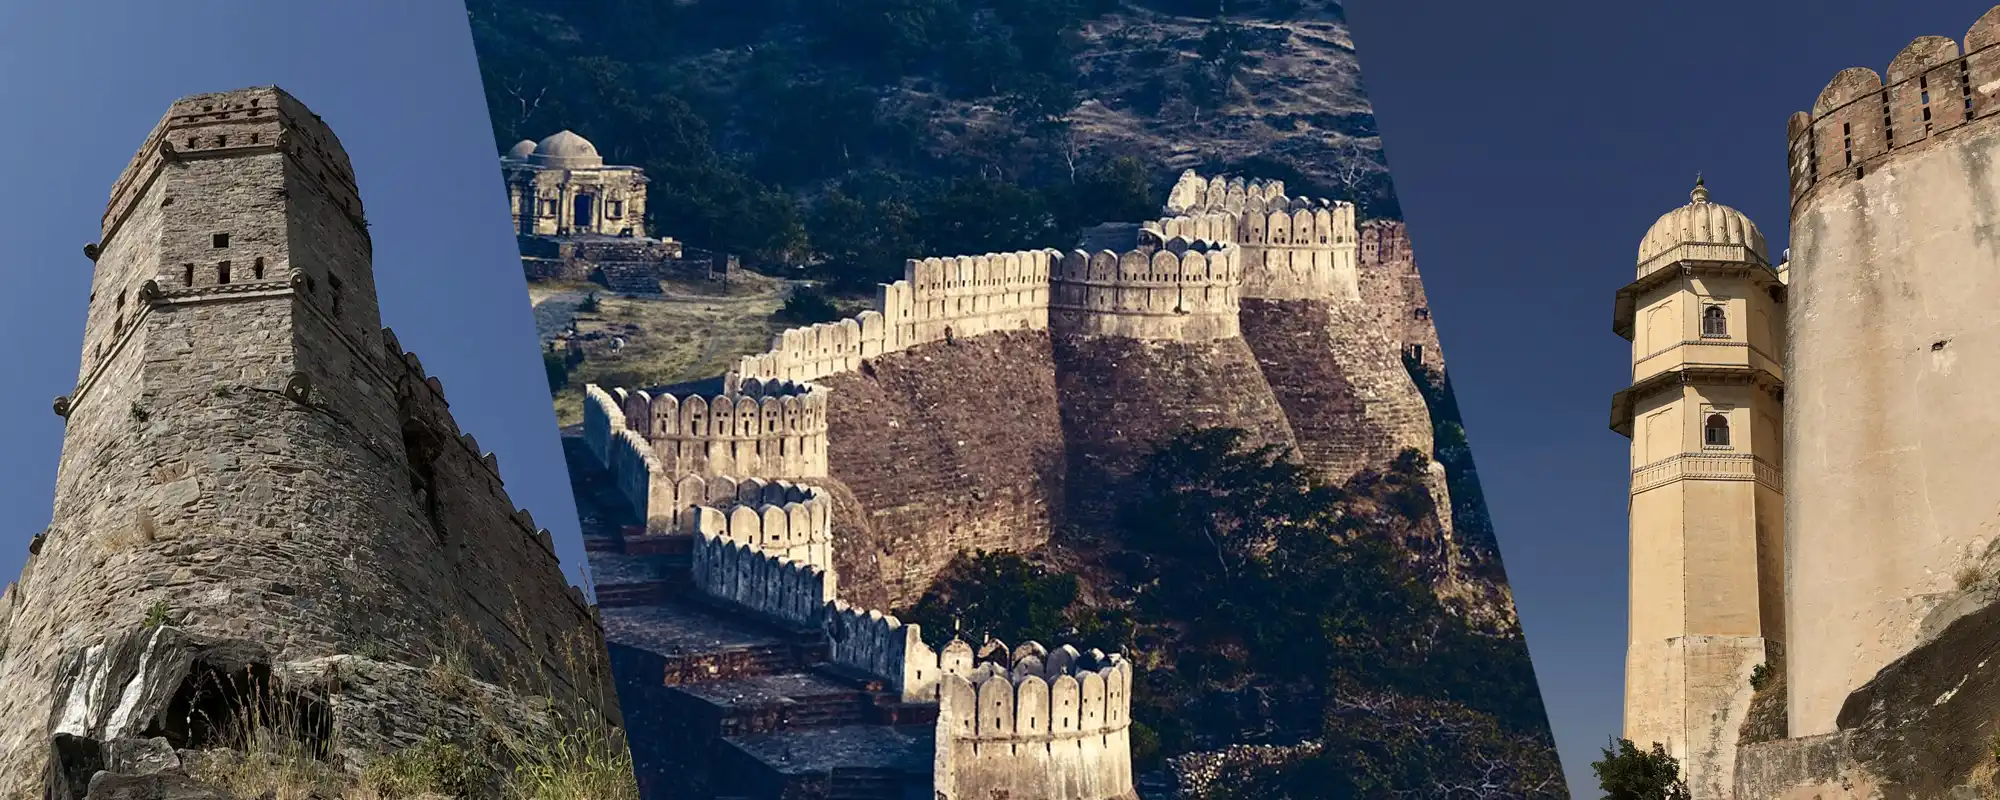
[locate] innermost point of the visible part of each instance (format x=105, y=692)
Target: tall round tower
x=1897, y=359
x=1704, y=413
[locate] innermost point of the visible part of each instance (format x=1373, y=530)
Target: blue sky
x=1532, y=144
x=397, y=81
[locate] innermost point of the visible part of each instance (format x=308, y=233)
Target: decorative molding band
x=1707, y=467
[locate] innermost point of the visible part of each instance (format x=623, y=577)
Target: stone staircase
x=721, y=704
x=630, y=277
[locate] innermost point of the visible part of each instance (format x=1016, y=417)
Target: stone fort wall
x=1892, y=359
x=248, y=450
x=1037, y=724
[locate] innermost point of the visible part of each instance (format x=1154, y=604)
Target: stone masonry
x=257, y=481
x=1835, y=523
x=986, y=402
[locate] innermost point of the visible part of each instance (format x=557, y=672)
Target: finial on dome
x=1700, y=189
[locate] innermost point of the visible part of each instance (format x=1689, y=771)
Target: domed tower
x=1704, y=413
x=560, y=186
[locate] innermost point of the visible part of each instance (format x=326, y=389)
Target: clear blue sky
x=83, y=82
x=1532, y=143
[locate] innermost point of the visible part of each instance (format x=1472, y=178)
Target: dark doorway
x=585, y=218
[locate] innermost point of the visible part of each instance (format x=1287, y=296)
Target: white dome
x=567, y=150
x=1701, y=222
x=522, y=149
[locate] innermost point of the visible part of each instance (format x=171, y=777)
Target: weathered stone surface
x=256, y=477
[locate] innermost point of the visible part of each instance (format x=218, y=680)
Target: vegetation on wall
x=1261, y=606
x=1627, y=772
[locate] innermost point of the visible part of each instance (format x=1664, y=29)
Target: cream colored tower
x=1704, y=412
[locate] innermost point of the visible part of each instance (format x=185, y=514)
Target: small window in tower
x=187, y=274
x=253, y=138
x=1423, y=313
x=333, y=283
x=120, y=304
x=1714, y=322
x=221, y=141
x=222, y=273
x=1715, y=431
x=257, y=268
x=221, y=240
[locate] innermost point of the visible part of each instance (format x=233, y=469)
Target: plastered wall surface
x=1893, y=357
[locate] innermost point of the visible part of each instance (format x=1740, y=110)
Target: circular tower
x=1895, y=361
x=1704, y=414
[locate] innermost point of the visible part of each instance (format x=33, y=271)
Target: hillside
x=852, y=134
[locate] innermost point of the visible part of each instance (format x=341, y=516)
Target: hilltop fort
x=748, y=530
x=1814, y=444
x=266, y=521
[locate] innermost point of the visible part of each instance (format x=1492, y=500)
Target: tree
x=1629, y=773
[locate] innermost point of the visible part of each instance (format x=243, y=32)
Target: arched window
x=1715, y=431
x=1714, y=322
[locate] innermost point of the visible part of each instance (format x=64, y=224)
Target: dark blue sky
x=1532, y=143
x=84, y=82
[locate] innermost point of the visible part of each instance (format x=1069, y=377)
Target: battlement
x=1293, y=248
x=781, y=588
x=1181, y=290
x=1931, y=89
x=1036, y=723
x=1193, y=193
x=777, y=519
x=776, y=429
x=937, y=299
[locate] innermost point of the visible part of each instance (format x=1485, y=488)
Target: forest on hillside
x=848, y=135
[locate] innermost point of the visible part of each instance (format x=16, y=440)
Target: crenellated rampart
x=755, y=428
x=937, y=299
x=778, y=519
x=1193, y=193
x=774, y=586
x=1177, y=291
x=1036, y=723
x=1931, y=88
x=1294, y=248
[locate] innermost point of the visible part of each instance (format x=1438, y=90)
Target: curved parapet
x=774, y=586
x=1193, y=193
x=1181, y=291
x=1293, y=248
x=768, y=429
x=774, y=518
x=1930, y=88
x=1061, y=722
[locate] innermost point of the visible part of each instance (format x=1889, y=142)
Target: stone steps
x=630, y=278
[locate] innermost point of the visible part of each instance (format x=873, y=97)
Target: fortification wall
x=777, y=519
x=1193, y=193
x=772, y=585
x=1341, y=382
x=505, y=581
x=1293, y=248
x=1118, y=397
x=937, y=462
x=1893, y=360
x=938, y=299
x=1054, y=725
x=774, y=431
x=1392, y=287
x=1182, y=291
